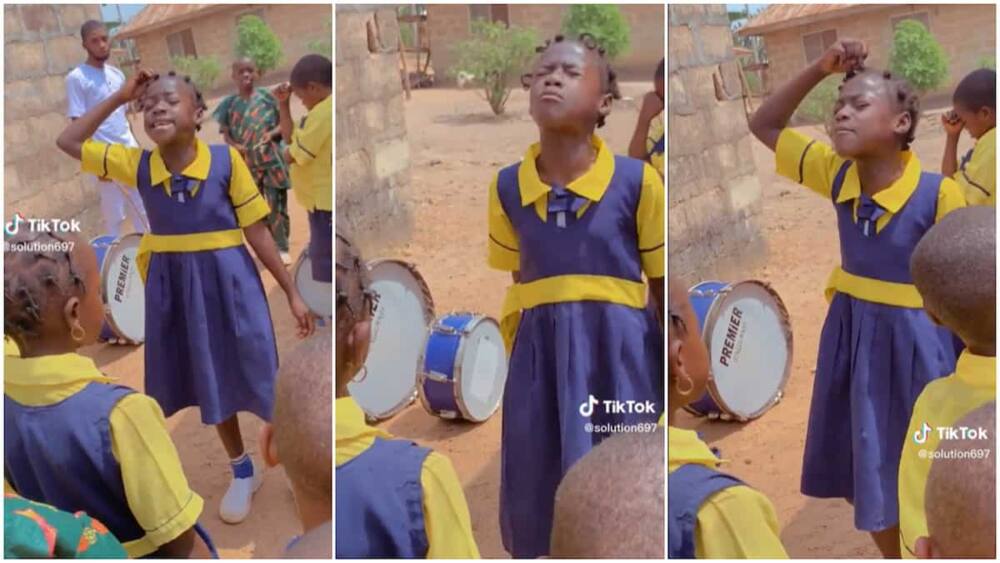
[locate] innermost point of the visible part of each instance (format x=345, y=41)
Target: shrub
x=817, y=107
x=256, y=41
x=604, y=21
x=203, y=71
x=323, y=46
x=917, y=56
x=495, y=56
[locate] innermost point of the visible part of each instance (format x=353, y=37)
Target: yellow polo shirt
x=656, y=132
x=977, y=174
x=10, y=347
x=943, y=402
x=155, y=486
x=735, y=523
x=446, y=513
x=312, y=153
x=121, y=163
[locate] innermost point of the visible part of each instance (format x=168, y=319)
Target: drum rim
x=105, y=267
x=784, y=320
x=303, y=256
x=428, y=314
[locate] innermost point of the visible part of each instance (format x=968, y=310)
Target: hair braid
x=609, y=78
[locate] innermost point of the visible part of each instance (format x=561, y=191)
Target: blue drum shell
x=440, y=355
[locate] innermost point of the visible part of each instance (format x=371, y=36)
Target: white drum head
x=483, y=370
x=317, y=295
x=399, y=330
x=122, y=288
x=750, y=346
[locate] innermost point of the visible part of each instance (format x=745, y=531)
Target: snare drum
x=317, y=295
x=464, y=367
x=122, y=290
x=399, y=329
x=746, y=329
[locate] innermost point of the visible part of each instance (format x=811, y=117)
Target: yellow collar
x=48, y=379
x=324, y=104
x=977, y=371
x=198, y=169
x=684, y=447
x=591, y=185
x=892, y=198
x=351, y=422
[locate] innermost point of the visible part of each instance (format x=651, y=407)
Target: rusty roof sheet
x=782, y=16
x=155, y=16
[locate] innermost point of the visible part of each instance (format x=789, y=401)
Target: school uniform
x=656, y=142
x=10, y=347
x=87, y=86
x=396, y=499
x=76, y=440
x=944, y=402
x=312, y=182
x=878, y=348
x=583, y=328
x=209, y=337
x=712, y=515
x=977, y=172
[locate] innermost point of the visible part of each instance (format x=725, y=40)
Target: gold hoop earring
x=363, y=372
x=690, y=386
x=77, y=333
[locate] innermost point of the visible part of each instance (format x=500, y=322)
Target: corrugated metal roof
x=154, y=16
x=781, y=16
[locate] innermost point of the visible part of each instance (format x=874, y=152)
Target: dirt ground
x=272, y=522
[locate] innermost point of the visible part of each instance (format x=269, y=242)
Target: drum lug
x=445, y=329
x=450, y=415
x=435, y=376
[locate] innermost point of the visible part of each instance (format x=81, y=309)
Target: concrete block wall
x=41, y=45
x=713, y=192
x=373, y=151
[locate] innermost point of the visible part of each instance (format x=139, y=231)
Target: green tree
x=494, y=57
x=203, y=71
x=604, y=21
x=255, y=40
x=324, y=45
x=917, y=56
x=817, y=107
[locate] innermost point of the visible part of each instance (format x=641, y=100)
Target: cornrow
x=609, y=78
x=904, y=96
x=31, y=280
x=352, y=279
x=199, y=99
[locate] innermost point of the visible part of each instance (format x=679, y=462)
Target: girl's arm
x=953, y=129
x=79, y=130
x=656, y=292
x=188, y=545
x=772, y=117
x=282, y=93
x=262, y=242
x=651, y=106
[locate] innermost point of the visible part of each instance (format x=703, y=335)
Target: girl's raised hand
x=135, y=86
x=845, y=55
x=282, y=92
x=952, y=123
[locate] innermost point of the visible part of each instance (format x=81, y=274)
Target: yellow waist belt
x=192, y=242
x=876, y=291
x=561, y=289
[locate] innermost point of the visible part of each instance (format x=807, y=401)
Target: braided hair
x=609, y=78
x=352, y=284
x=903, y=95
x=34, y=281
x=198, y=98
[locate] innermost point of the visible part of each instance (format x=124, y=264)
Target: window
x=490, y=12
x=921, y=17
x=815, y=44
x=181, y=44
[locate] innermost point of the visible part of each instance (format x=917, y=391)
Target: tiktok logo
x=587, y=408
x=920, y=436
x=14, y=225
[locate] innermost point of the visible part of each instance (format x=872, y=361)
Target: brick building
x=797, y=34
x=163, y=31
x=41, y=45
x=449, y=24
x=713, y=194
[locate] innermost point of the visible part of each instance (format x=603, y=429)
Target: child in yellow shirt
x=954, y=269
x=974, y=103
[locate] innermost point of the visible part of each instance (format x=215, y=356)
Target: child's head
x=299, y=436
x=687, y=354
x=975, y=101
x=610, y=503
x=572, y=85
x=954, y=269
x=95, y=40
x=172, y=108
x=51, y=293
x=658, y=80
x=355, y=305
x=960, y=498
x=312, y=79
x=244, y=73
x=875, y=111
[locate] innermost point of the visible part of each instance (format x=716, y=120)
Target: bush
x=256, y=41
x=604, y=21
x=917, y=56
x=817, y=107
x=203, y=71
x=323, y=46
x=495, y=56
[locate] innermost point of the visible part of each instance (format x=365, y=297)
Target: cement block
x=391, y=157
x=680, y=41
x=715, y=44
x=39, y=18
x=744, y=192
x=64, y=53
x=11, y=22
x=24, y=59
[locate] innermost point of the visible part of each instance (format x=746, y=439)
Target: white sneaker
x=285, y=258
x=235, y=505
